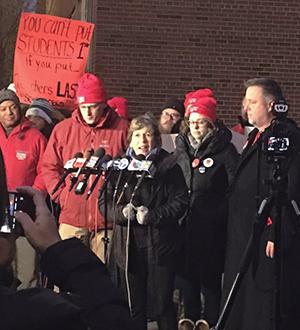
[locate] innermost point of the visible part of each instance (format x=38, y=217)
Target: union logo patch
x=21, y=155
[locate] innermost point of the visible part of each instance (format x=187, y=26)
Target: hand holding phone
x=41, y=232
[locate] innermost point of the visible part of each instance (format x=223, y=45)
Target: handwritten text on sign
x=50, y=56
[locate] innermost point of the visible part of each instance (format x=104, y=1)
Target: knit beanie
x=120, y=105
x=203, y=102
x=41, y=108
x=193, y=96
x=90, y=89
x=174, y=103
x=9, y=95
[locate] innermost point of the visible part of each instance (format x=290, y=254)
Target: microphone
x=121, y=168
x=138, y=158
x=90, y=166
x=105, y=159
x=142, y=166
x=82, y=162
x=68, y=168
x=113, y=165
x=118, y=164
x=146, y=171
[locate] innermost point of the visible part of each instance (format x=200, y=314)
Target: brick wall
x=150, y=50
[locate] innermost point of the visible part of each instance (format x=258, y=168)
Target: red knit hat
x=90, y=89
x=203, y=102
x=120, y=105
x=193, y=96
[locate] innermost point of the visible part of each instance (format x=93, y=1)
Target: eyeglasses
x=12, y=107
x=171, y=115
x=197, y=122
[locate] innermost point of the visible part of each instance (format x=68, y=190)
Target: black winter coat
x=208, y=184
x=166, y=197
x=253, y=307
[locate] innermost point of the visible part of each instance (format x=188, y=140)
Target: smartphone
x=17, y=202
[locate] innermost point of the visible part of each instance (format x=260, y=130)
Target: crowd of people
x=182, y=217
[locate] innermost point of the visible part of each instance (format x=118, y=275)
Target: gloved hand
x=129, y=211
x=142, y=215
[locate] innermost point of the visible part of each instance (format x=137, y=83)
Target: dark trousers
x=160, y=282
x=207, y=282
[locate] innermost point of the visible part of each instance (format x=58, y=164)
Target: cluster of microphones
x=98, y=164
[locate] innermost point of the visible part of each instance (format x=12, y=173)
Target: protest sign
x=50, y=56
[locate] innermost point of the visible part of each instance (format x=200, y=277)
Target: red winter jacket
x=23, y=151
x=69, y=137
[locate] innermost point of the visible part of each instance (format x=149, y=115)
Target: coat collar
x=250, y=148
x=20, y=129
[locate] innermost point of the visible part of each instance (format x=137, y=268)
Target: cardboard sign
x=50, y=56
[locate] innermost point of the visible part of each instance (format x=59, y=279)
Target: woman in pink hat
x=208, y=160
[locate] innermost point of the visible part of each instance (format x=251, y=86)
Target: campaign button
x=202, y=169
x=195, y=163
x=208, y=162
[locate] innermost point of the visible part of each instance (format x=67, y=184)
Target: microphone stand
x=105, y=239
x=245, y=262
x=103, y=191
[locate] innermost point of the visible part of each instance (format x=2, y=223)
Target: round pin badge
x=195, y=163
x=208, y=162
x=202, y=169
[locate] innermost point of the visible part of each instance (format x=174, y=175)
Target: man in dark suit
x=254, y=305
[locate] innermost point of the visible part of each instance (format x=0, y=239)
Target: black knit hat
x=9, y=95
x=174, y=103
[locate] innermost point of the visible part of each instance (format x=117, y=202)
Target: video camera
x=276, y=142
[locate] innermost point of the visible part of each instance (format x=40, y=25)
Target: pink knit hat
x=201, y=101
x=90, y=89
x=120, y=105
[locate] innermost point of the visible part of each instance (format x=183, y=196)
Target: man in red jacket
x=21, y=145
x=22, y=148
x=93, y=125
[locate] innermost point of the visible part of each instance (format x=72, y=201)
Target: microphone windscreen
x=107, y=158
x=78, y=155
x=100, y=152
x=140, y=157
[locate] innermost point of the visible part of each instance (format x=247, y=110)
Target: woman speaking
x=148, y=230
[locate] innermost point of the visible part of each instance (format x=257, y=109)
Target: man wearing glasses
x=171, y=116
x=170, y=121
